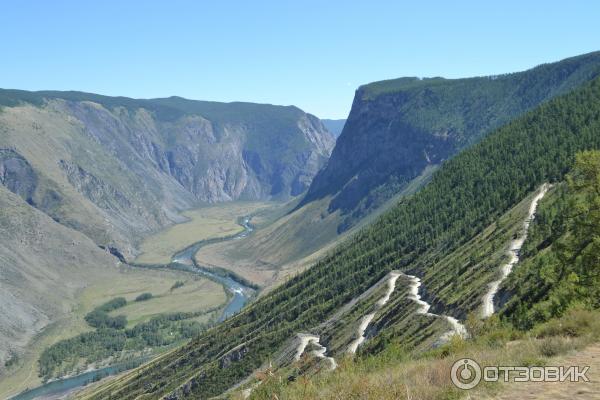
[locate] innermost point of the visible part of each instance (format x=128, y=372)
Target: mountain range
x=496, y=143
x=397, y=134
x=395, y=236
x=400, y=129
x=84, y=177
x=117, y=169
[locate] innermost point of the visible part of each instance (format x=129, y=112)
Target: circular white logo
x=465, y=374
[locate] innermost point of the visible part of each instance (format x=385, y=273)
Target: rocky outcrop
x=397, y=128
x=17, y=174
x=118, y=169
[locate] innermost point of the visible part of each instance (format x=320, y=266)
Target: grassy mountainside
x=464, y=197
x=118, y=169
x=39, y=256
x=552, y=311
x=397, y=128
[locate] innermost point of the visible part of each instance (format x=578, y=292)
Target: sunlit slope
x=44, y=266
x=463, y=198
x=119, y=169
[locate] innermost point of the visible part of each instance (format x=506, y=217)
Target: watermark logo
x=467, y=373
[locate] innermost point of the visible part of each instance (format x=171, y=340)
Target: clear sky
x=312, y=54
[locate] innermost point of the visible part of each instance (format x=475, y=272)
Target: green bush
x=552, y=346
x=100, y=319
x=113, y=304
x=144, y=297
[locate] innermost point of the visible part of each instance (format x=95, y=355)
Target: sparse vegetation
x=398, y=374
x=204, y=223
x=13, y=359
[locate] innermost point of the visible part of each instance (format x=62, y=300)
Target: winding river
x=241, y=292
x=182, y=260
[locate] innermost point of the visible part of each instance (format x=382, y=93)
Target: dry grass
x=399, y=375
x=280, y=244
x=204, y=223
x=196, y=294
x=420, y=379
x=125, y=282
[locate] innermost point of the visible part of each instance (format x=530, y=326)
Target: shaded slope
x=335, y=126
x=397, y=128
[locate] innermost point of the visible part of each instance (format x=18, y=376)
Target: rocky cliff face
x=17, y=175
x=117, y=169
x=398, y=128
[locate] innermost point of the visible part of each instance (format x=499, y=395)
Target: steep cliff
x=117, y=169
x=397, y=128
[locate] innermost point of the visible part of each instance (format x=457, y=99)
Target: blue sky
x=313, y=54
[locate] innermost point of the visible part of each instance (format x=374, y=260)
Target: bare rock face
x=398, y=128
x=118, y=169
x=215, y=160
x=17, y=174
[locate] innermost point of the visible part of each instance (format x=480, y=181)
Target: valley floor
x=195, y=296
x=203, y=223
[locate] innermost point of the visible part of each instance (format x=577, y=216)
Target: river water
x=241, y=293
x=183, y=260
x=61, y=387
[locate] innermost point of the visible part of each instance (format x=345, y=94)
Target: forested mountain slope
x=117, y=169
x=397, y=134
x=549, y=312
x=464, y=197
x=397, y=128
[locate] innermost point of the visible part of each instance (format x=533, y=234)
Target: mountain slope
x=552, y=310
x=397, y=128
x=397, y=134
x=43, y=266
x=464, y=197
x=118, y=169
